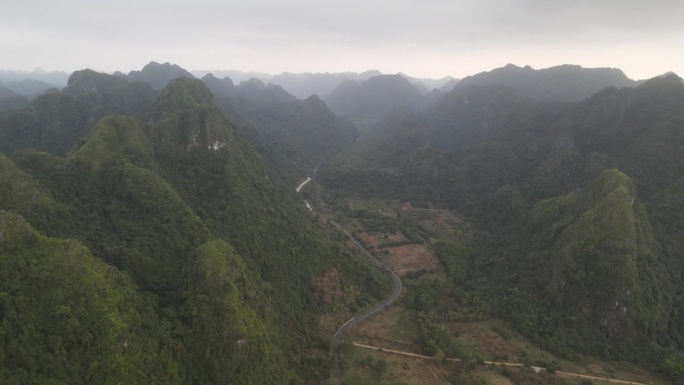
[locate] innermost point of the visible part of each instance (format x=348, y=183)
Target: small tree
x=379, y=367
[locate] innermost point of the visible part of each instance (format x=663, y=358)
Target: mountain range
x=158, y=248
x=150, y=231
x=568, y=197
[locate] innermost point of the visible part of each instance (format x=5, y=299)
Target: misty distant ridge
x=55, y=78
x=564, y=83
x=300, y=86
x=24, y=85
x=303, y=85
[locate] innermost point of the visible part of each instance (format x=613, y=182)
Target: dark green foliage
x=52, y=122
x=293, y=138
x=116, y=140
x=180, y=94
x=576, y=209
x=223, y=182
x=20, y=192
x=433, y=337
x=232, y=337
x=56, y=122
x=145, y=197
x=395, y=137
x=68, y=318
x=673, y=367
x=424, y=295
x=111, y=92
x=110, y=198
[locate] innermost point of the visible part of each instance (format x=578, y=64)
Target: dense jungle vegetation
x=150, y=232
x=145, y=243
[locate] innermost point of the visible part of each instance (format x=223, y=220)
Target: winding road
x=397, y=287
x=396, y=290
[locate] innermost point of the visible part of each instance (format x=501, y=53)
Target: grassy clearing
x=490, y=341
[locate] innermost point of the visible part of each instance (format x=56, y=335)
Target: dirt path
x=536, y=368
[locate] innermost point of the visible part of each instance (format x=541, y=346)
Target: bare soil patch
x=405, y=258
x=408, y=258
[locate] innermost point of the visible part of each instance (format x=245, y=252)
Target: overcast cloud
x=428, y=38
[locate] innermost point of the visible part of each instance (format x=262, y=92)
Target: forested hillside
x=150, y=232
x=150, y=246
x=575, y=207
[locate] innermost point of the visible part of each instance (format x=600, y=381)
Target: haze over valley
x=153, y=234
x=316, y=192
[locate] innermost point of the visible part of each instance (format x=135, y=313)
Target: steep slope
x=666, y=213
x=56, y=122
x=596, y=257
x=111, y=195
x=182, y=206
x=639, y=127
x=292, y=138
x=312, y=130
x=245, y=348
x=394, y=139
x=575, y=206
x=68, y=318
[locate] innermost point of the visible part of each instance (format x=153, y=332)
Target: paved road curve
x=396, y=290
x=308, y=179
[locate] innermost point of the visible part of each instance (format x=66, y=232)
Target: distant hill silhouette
x=158, y=75
x=58, y=78
x=28, y=87
x=253, y=90
x=263, y=94
x=6, y=92
x=55, y=122
x=375, y=97
x=448, y=86
x=582, y=202
x=565, y=83
x=224, y=86
x=322, y=84
x=303, y=85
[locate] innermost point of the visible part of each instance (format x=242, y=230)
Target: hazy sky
x=426, y=38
